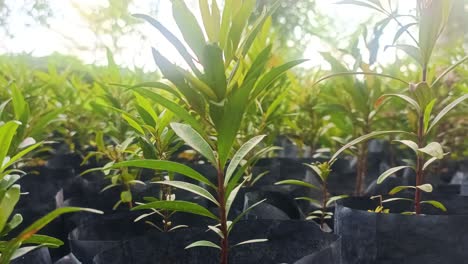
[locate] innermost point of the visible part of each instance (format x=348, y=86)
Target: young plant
x=9, y=196
x=380, y=208
x=156, y=140
x=323, y=170
x=432, y=18
x=121, y=177
x=322, y=213
x=212, y=102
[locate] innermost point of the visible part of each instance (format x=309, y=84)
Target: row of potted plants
x=182, y=156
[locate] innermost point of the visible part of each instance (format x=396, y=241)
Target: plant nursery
x=234, y=131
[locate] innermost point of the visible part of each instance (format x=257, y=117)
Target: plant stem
x=362, y=163
x=419, y=167
x=361, y=169
x=222, y=216
x=420, y=158
x=324, y=203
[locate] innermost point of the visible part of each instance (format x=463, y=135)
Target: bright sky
x=67, y=25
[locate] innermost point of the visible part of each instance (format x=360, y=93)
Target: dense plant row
x=235, y=102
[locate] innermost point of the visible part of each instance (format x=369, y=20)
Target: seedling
x=212, y=105
x=9, y=196
x=380, y=209
x=322, y=170
x=433, y=16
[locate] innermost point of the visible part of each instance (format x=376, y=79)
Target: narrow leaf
x=165, y=165
x=191, y=188
x=194, y=140
x=239, y=156
x=297, y=182
x=389, y=172
x=203, y=243
x=177, y=206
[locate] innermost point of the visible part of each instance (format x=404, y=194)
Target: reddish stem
x=222, y=216
x=419, y=167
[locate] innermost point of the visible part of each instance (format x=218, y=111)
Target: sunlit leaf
x=389, y=173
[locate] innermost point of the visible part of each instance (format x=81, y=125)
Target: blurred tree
x=37, y=10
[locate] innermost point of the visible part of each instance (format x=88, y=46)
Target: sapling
x=322, y=170
x=10, y=193
x=121, y=178
x=212, y=103
x=432, y=18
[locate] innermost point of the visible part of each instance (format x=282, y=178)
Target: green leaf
x=239, y=217
x=436, y=204
x=173, y=39
x=155, y=85
x=317, y=170
x=7, y=133
x=232, y=196
x=165, y=165
x=446, y=109
x=126, y=196
x=411, y=144
x=3, y=105
x=335, y=198
x=19, y=155
x=359, y=140
x=390, y=172
x=406, y=98
x=425, y=187
x=203, y=243
x=358, y=73
x=145, y=108
x=188, y=26
x=399, y=189
x=194, y=140
x=402, y=30
x=239, y=156
x=297, y=182
x=7, y=204
x=208, y=23
x=396, y=199
x=447, y=71
x=412, y=51
x=312, y=201
x=273, y=75
x=251, y=241
x=427, y=114
x=434, y=149
x=133, y=123
x=177, y=206
x=234, y=110
x=173, y=107
x=191, y=188
x=198, y=84
x=44, y=240
x=175, y=74
x=433, y=16
x=216, y=230
x=30, y=231
x=429, y=162
x=213, y=65
x=22, y=251
x=14, y=222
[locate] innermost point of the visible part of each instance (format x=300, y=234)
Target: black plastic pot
x=99, y=232
x=395, y=238
x=297, y=242
x=37, y=256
